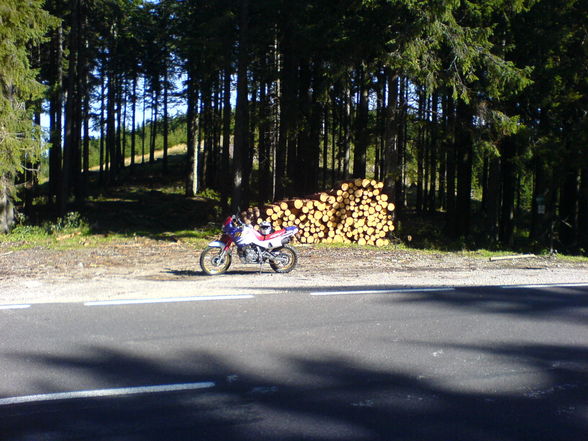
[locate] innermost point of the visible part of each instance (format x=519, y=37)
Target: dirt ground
x=146, y=268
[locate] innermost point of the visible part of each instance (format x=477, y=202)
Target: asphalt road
x=471, y=364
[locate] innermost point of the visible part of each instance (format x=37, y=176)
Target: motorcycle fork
x=228, y=242
x=226, y=250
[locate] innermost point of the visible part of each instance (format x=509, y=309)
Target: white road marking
x=105, y=393
x=546, y=285
x=379, y=291
x=166, y=300
x=14, y=306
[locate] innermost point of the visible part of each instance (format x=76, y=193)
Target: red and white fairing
x=244, y=235
x=250, y=235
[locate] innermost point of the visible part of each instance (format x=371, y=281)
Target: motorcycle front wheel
x=284, y=260
x=213, y=262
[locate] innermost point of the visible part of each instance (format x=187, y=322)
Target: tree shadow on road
x=567, y=303
x=327, y=398
x=564, y=303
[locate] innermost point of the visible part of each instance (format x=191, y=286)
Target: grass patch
x=52, y=236
x=69, y=232
x=572, y=259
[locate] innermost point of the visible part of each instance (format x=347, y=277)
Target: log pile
x=356, y=212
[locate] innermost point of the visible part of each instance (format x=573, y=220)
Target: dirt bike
x=253, y=247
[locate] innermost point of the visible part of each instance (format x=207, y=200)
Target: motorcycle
x=253, y=247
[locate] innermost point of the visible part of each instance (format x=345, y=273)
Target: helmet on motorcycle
x=265, y=228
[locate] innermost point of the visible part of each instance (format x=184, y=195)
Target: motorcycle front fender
x=217, y=244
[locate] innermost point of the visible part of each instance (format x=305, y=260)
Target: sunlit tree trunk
x=192, y=145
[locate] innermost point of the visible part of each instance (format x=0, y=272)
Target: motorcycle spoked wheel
x=285, y=261
x=212, y=262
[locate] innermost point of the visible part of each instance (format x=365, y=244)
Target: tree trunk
x=345, y=147
x=539, y=202
x=165, y=117
x=433, y=159
x=506, y=232
x=316, y=123
x=192, y=146
x=291, y=106
x=361, y=126
x=155, y=113
x=144, y=121
x=449, y=113
x=390, y=153
x=402, y=128
x=265, y=159
x=285, y=158
x=314, y=130
x=465, y=153
x=420, y=153
x=583, y=212
x=206, y=129
x=568, y=209
x=326, y=129
x=380, y=126
x=250, y=132
x=226, y=163
x=111, y=126
x=86, y=143
x=69, y=147
x=6, y=205
x=200, y=142
x=101, y=148
x=334, y=139
x=81, y=167
x=134, y=122
x=309, y=136
x=492, y=199
x=242, y=111
x=119, y=149
x=55, y=116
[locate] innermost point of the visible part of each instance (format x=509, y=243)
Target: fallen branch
x=518, y=256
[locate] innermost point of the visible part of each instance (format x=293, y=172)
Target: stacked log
x=355, y=212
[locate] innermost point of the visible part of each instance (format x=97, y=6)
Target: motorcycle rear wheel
x=212, y=262
x=285, y=261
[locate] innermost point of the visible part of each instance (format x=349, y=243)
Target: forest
x=471, y=111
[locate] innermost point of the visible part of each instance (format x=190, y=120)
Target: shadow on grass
x=149, y=203
x=147, y=213
x=145, y=201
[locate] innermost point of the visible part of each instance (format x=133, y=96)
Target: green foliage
x=22, y=24
x=211, y=194
x=509, y=77
x=71, y=230
x=72, y=221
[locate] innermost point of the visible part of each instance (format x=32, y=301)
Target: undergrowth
x=149, y=203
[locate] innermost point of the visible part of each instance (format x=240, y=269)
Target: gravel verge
x=148, y=268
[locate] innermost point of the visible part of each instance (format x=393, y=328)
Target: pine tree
x=22, y=24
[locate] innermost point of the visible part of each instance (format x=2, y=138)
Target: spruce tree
x=22, y=24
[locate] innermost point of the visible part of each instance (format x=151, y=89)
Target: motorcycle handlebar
x=237, y=220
